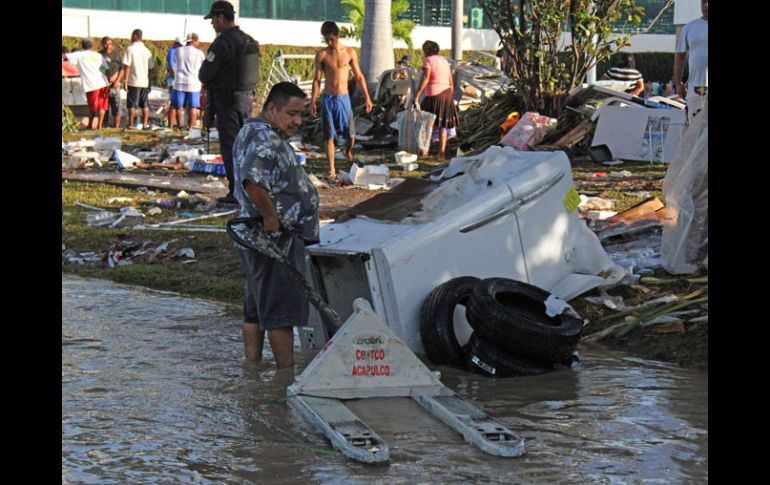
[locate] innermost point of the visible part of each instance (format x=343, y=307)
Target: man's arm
x=678, y=69
x=423, y=84
x=638, y=88
x=316, y=84
x=126, y=73
x=264, y=204
x=217, y=57
x=360, y=78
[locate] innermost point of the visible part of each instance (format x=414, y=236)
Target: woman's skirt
x=442, y=105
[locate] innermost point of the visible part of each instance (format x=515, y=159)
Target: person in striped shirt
x=626, y=71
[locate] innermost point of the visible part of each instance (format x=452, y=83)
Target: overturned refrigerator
x=500, y=213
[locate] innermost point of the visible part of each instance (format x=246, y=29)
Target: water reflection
x=154, y=390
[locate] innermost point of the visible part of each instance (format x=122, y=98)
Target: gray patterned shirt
x=263, y=157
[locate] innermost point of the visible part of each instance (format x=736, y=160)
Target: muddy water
x=154, y=391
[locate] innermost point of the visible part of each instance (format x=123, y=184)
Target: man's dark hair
x=86, y=44
x=281, y=93
x=627, y=61
x=430, y=48
x=64, y=50
x=329, y=28
x=136, y=34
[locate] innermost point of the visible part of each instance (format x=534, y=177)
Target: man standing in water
x=270, y=182
x=336, y=61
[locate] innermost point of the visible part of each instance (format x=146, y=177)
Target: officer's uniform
x=232, y=108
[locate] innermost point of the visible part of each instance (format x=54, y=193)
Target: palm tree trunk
x=457, y=30
x=376, y=41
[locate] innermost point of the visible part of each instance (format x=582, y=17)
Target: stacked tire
x=512, y=332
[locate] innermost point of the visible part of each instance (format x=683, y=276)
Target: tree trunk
x=457, y=30
x=376, y=41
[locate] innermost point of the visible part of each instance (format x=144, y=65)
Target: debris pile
x=129, y=251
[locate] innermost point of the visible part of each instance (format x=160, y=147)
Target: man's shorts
x=186, y=99
x=137, y=97
x=99, y=99
x=117, y=105
x=273, y=298
x=172, y=98
x=337, y=117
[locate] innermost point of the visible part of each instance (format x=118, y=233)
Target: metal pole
x=457, y=29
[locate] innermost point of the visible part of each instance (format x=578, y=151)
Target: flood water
x=154, y=390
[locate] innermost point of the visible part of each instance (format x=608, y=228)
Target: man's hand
x=681, y=90
x=368, y=105
x=271, y=223
x=313, y=109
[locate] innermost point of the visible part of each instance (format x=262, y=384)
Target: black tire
x=512, y=315
x=484, y=358
x=437, y=320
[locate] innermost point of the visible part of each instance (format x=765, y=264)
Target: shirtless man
x=336, y=61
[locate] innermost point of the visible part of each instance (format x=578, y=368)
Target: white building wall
x=686, y=10
x=159, y=26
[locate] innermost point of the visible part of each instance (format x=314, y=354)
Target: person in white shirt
x=137, y=62
x=187, y=86
x=92, y=67
x=693, y=44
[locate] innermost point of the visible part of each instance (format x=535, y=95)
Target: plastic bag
x=685, y=229
x=527, y=131
x=414, y=130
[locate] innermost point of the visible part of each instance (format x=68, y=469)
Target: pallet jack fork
x=364, y=359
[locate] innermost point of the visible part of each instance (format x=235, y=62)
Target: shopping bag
x=414, y=130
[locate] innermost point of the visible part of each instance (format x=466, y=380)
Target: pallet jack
x=363, y=360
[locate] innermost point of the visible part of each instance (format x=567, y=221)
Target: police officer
x=218, y=73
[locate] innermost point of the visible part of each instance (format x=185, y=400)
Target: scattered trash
x=403, y=158
x=147, y=156
x=647, y=209
x=369, y=175
x=620, y=175
x=193, y=134
x=119, y=200
x=145, y=190
x=598, y=215
x=80, y=159
x=595, y=203
x=185, y=253
x=611, y=302
x=530, y=129
x=154, y=211
x=125, y=160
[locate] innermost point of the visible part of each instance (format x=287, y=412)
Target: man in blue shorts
x=335, y=62
x=187, y=86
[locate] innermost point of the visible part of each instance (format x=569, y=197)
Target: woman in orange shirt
x=438, y=85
